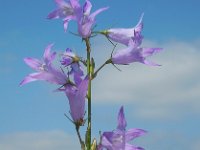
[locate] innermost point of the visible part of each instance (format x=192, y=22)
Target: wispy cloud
x=49, y=140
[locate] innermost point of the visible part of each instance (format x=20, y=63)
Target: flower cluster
x=75, y=90
x=71, y=78
x=132, y=38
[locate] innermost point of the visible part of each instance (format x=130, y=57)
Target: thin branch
x=79, y=137
x=103, y=65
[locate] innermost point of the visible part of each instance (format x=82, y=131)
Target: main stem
x=87, y=41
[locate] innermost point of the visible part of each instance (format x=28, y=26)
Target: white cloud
x=49, y=140
x=165, y=140
x=156, y=91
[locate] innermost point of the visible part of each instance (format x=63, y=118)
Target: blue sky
x=163, y=100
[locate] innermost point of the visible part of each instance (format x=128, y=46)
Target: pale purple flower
x=124, y=35
x=66, y=11
x=133, y=53
x=119, y=138
x=44, y=69
x=70, y=59
x=76, y=96
x=86, y=20
x=72, y=10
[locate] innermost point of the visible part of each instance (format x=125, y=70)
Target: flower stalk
x=88, y=136
x=79, y=137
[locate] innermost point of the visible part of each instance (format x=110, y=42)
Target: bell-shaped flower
x=72, y=60
x=76, y=96
x=86, y=20
x=119, y=138
x=45, y=69
x=66, y=11
x=133, y=53
x=124, y=35
x=72, y=10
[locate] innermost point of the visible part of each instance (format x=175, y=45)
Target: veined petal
x=132, y=147
x=106, y=140
x=93, y=15
x=75, y=3
x=29, y=79
x=45, y=76
x=134, y=133
x=66, y=21
x=54, y=14
x=87, y=8
x=149, y=63
x=139, y=26
x=62, y=3
x=48, y=56
x=121, y=120
x=33, y=63
x=150, y=51
x=123, y=56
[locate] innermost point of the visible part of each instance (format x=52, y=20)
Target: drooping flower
x=71, y=59
x=86, y=20
x=124, y=35
x=76, y=96
x=119, y=138
x=44, y=69
x=134, y=53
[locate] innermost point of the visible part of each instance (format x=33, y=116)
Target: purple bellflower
x=119, y=138
x=134, y=53
x=76, y=96
x=124, y=35
x=86, y=20
x=45, y=69
x=70, y=59
x=66, y=11
x=72, y=10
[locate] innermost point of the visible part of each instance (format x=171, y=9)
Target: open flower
x=72, y=10
x=86, y=20
x=119, y=138
x=45, y=69
x=124, y=35
x=134, y=53
x=76, y=96
x=66, y=11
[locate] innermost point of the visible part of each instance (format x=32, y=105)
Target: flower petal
x=93, y=15
x=150, y=51
x=139, y=26
x=54, y=14
x=106, y=140
x=132, y=147
x=134, y=133
x=66, y=21
x=87, y=8
x=29, y=78
x=75, y=3
x=48, y=56
x=121, y=119
x=33, y=63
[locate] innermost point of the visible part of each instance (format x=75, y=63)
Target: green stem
x=79, y=137
x=89, y=94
